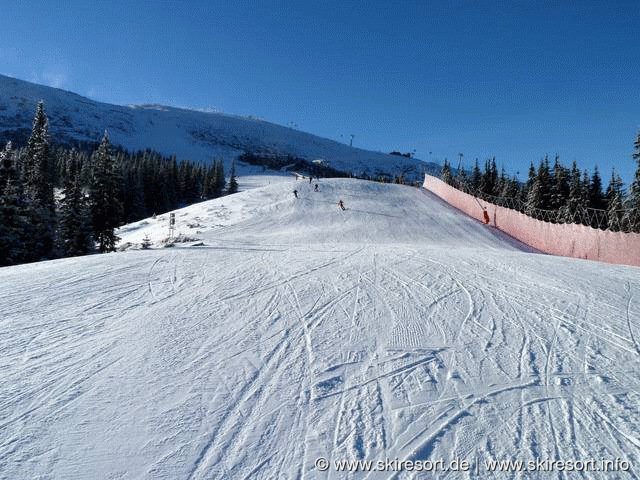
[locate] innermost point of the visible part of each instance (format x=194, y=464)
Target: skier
x=310, y=178
x=295, y=193
x=341, y=205
x=316, y=188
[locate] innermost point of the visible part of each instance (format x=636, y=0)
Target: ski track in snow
x=398, y=328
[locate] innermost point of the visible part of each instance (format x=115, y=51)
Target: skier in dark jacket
x=295, y=193
x=341, y=205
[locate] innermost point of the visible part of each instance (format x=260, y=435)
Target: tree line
x=57, y=201
x=556, y=193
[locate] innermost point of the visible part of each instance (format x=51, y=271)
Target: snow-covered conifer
x=615, y=197
x=559, y=186
x=502, y=182
x=105, y=204
x=511, y=188
x=447, y=177
x=462, y=179
x=633, y=213
x=38, y=167
x=476, y=177
x=38, y=189
x=13, y=221
x=489, y=179
x=524, y=191
x=220, y=181
x=596, y=200
x=539, y=195
x=75, y=218
x=233, y=182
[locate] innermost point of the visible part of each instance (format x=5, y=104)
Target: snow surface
x=288, y=330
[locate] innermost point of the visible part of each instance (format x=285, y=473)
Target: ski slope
x=286, y=330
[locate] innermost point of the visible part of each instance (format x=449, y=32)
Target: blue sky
x=515, y=80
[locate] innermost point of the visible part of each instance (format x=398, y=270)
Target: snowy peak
x=189, y=134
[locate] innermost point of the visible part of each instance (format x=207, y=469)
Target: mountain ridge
x=188, y=134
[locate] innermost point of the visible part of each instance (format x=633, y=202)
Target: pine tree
x=615, y=197
x=220, y=181
x=7, y=165
x=502, y=183
x=38, y=168
x=172, y=182
x=193, y=182
x=633, y=214
x=138, y=207
x=559, y=186
x=489, y=179
x=577, y=203
x=447, y=177
x=476, y=177
x=208, y=184
x=511, y=188
x=105, y=205
x=38, y=189
x=13, y=220
x=75, y=226
x=526, y=188
x=233, y=183
x=596, y=197
x=164, y=197
x=596, y=200
x=462, y=179
x=584, y=200
x=539, y=195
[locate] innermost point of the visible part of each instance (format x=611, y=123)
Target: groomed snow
x=286, y=330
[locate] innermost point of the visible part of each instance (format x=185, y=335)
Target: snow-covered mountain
x=288, y=333
x=188, y=134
